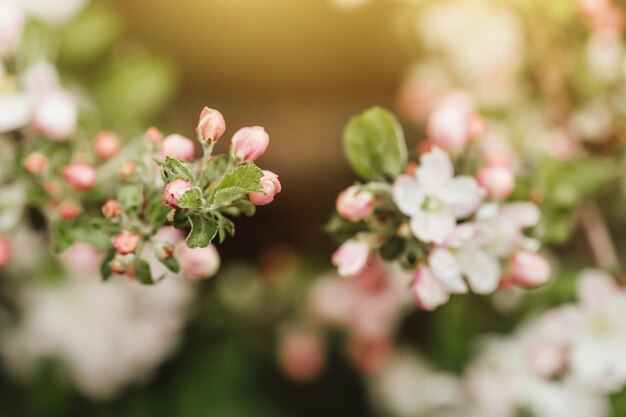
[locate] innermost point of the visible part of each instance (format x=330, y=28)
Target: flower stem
x=600, y=241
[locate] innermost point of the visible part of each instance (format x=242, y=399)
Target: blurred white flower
x=55, y=12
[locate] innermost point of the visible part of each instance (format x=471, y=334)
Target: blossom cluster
x=457, y=233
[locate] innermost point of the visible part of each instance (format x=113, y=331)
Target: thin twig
x=599, y=238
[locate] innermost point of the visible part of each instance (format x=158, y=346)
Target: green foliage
x=142, y=272
x=203, y=230
x=374, y=145
x=173, y=169
x=192, y=199
x=130, y=198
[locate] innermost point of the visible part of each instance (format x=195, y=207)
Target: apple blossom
x=179, y=147
x=11, y=27
x=80, y=176
x=56, y=116
x=174, y=191
x=35, y=162
x=154, y=135
x=111, y=209
x=128, y=170
x=351, y=257
x=6, y=250
x=547, y=358
x=271, y=187
x=428, y=292
x=434, y=199
x=301, y=354
x=211, y=125
x=197, y=263
x=107, y=145
x=250, y=143
x=497, y=180
x=126, y=242
x=354, y=204
x=529, y=269
x=449, y=124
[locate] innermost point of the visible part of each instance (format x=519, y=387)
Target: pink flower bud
x=301, y=355
x=68, y=210
x=111, y=209
x=351, y=257
x=476, y=126
x=529, y=269
x=6, y=251
x=179, y=147
x=107, y=145
x=56, y=116
x=198, y=263
x=154, y=135
x=499, y=181
x=128, y=170
x=428, y=292
x=36, y=162
x=174, y=191
x=354, y=205
x=448, y=125
x=370, y=353
x=546, y=358
x=211, y=125
x=162, y=250
x=126, y=242
x=271, y=187
x=249, y=143
x=11, y=27
x=80, y=176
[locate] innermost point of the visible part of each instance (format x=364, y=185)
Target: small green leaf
x=156, y=212
x=241, y=206
x=105, y=266
x=374, y=144
x=130, y=197
x=171, y=263
x=227, y=196
x=246, y=177
x=142, y=272
x=225, y=226
x=192, y=199
x=179, y=220
x=173, y=169
x=214, y=170
x=203, y=230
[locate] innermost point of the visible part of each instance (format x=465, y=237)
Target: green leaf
x=374, y=144
x=130, y=197
x=238, y=207
x=105, y=266
x=246, y=177
x=173, y=169
x=228, y=195
x=171, y=263
x=225, y=226
x=214, y=170
x=142, y=272
x=203, y=230
x=179, y=220
x=192, y=199
x=156, y=212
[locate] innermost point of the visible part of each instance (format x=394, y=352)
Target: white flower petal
x=463, y=196
x=407, y=195
x=432, y=227
x=446, y=269
x=351, y=257
x=523, y=214
x=427, y=290
x=15, y=111
x=481, y=269
x=435, y=169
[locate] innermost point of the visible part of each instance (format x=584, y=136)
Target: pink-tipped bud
x=499, y=181
x=351, y=257
x=301, y=355
x=354, y=205
x=179, y=147
x=162, y=250
x=154, y=135
x=448, y=125
x=174, y=191
x=52, y=188
x=107, y=145
x=68, y=210
x=546, y=358
x=36, y=162
x=428, y=292
x=271, y=187
x=529, y=269
x=126, y=242
x=56, y=116
x=80, y=176
x=476, y=126
x=198, y=263
x=6, y=251
x=128, y=170
x=211, y=125
x=111, y=209
x=249, y=143
x=123, y=264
